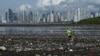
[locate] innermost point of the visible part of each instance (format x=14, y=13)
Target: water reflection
x=44, y=30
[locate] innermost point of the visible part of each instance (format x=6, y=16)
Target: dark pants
x=69, y=38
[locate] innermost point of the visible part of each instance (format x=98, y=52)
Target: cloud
x=25, y=7
x=57, y=2
x=71, y=1
x=90, y=6
x=63, y=4
x=44, y=3
x=95, y=1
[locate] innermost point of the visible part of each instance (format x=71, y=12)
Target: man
x=69, y=34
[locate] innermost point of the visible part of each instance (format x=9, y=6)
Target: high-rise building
x=52, y=16
x=30, y=17
x=81, y=14
x=57, y=17
x=43, y=19
x=36, y=17
x=62, y=19
x=24, y=17
x=48, y=18
x=69, y=14
x=75, y=17
x=88, y=14
x=9, y=16
x=4, y=18
x=15, y=18
x=92, y=14
x=20, y=18
x=96, y=14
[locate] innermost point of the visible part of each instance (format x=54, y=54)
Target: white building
x=69, y=14
x=36, y=18
x=96, y=14
x=19, y=15
x=62, y=18
x=4, y=18
x=75, y=18
x=59, y=16
x=48, y=18
x=81, y=14
x=22, y=17
x=52, y=17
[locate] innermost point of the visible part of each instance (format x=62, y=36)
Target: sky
x=48, y=4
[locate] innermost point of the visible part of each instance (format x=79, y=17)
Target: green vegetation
x=95, y=20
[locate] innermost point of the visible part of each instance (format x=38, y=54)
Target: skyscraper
x=62, y=19
x=30, y=17
x=92, y=14
x=52, y=16
x=24, y=17
x=69, y=14
x=79, y=14
x=96, y=14
x=48, y=18
x=57, y=17
x=15, y=18
x=87, y=14
x=75, y=18
x=20, y=18
x=9, y=16
x=36, y=17
x=4, y=18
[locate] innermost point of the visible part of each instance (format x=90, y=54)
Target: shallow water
x=87, y=31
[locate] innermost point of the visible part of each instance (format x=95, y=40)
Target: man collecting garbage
x=69, y=34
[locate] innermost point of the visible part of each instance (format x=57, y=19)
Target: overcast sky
x=48, y=4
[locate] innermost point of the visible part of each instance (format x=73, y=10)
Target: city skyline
x=64, y=10
x=27, y=16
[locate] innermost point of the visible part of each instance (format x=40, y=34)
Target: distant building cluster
x=52, y=17
x=20, y=17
